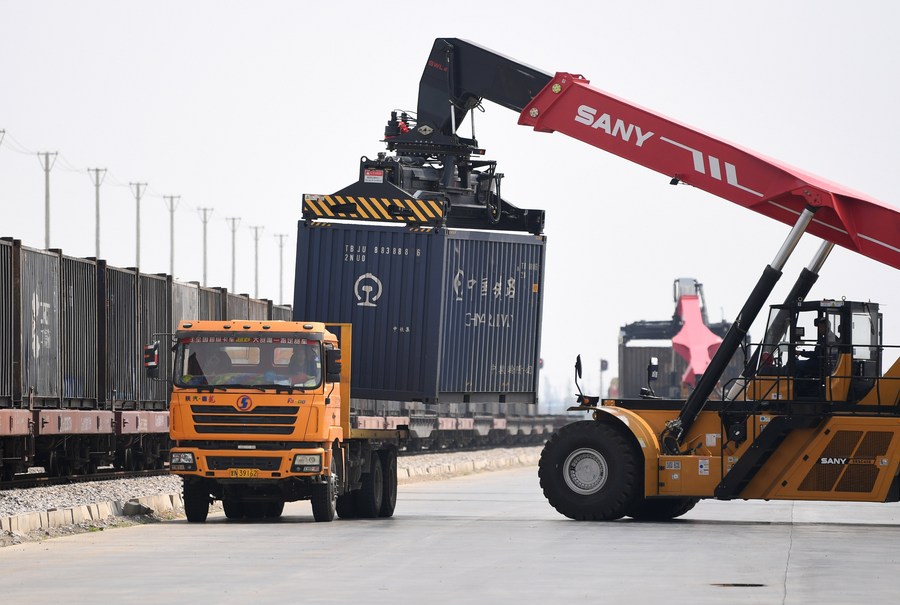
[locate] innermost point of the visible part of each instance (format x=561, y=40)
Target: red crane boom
x=570, y=105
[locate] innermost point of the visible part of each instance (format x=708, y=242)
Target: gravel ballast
x=43, y=512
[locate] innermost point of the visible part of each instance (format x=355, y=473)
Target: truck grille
x=221, y=463
x=262, y=420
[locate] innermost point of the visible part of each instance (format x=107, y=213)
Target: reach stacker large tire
x=660, y=509
x=590, y=472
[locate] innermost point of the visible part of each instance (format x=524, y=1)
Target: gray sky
x=244, y=106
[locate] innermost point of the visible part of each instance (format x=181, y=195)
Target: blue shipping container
x=438, y=315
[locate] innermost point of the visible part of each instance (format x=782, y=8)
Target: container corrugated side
x=119, y=337
x=437, y=316
x=184, y=302
x=282, y=313
x=154, y=322
x=6, y=323
x=39, y=344
x=80, y=354
x=633, y=362
x=493, y=289
x=212, y=304
x=237, y=306
x=258, y=309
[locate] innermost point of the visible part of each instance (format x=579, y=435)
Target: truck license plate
x=243, y=473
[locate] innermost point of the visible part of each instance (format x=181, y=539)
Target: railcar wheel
x=369, y=497
x=389, y=482
x=660, y=509
x=52, y=464
x=196, y=502
x=234, y=509
x=589, y=472
x=324, y=497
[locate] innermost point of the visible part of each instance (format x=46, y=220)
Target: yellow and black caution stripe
x=426, y=212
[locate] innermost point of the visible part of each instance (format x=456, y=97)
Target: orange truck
x=260, y=416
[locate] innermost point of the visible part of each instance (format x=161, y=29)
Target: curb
x=164, y=503
x=86, y=513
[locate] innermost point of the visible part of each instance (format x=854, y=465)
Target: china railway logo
x=367, y=289
x=244, y=403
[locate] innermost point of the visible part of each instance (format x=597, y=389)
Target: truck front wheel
x=589, y=472
x=324, y=497
x=196, y=501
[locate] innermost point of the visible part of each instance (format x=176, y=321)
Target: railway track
x=31, y=480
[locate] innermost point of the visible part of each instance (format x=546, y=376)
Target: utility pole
x=97, y=179
x=234, y=222
x=281, y=237
x=138, y=192
x=172, y=204
x=47, y=166
x=204, y=216
x=256, y=231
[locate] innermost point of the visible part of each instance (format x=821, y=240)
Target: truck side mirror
x=578, y=366
x=333, y=365
x=151, y=359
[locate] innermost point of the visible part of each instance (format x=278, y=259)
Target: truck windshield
x=230, y=360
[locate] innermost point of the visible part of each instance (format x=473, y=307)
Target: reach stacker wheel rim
x=585, y=471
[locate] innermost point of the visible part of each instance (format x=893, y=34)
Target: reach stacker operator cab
x=820, y=350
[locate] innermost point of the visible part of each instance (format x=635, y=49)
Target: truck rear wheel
x=589, y=472
x=660, y=509
x=371, y=494
x=196, y=501
x=274, y=509
x=346, y=506
x=389, y=478
x=234, y=509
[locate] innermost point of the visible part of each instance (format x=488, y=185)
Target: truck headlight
x=182, y=461
x=307, y=463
